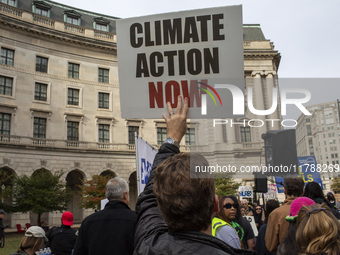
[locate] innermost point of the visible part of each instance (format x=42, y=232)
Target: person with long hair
x=32, y=242
x=318, y=231
x=258, y=214
x=260, y=246
x=314, y=192
x=222, y=224
x=289, y=245
x=240, y=224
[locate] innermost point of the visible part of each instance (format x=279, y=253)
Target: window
x=103, y=75
x=73, y=20
x=39, y=128
x=9, y=2
x=41, y=64
x=73, y=71
x=72, y=130
x=103, y=100
x=40, y=92
x=6, y=84
x=5, y=124
x=101, y=24
x=245, y=134
x=132, y=130
x=41, y=11
x=190, y=137
x=101, y=27
x=310, y=143
x=309, y=130
x=73, y=96
x=104, y=133
x=7, y=57
x=161, y=135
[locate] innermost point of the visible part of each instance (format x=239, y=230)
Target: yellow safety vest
x=216, y=223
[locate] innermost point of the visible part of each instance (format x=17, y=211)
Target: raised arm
x=149, y=216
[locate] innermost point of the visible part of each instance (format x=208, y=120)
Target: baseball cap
x=296, y=206
x=67, y=218
x=2, y=211
x=36, y=231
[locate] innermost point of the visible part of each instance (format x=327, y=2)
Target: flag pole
x=137, y=164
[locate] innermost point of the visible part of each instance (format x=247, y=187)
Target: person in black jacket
x=314, y=192
x=109, y=231
x=62, y=239
x=176, y=208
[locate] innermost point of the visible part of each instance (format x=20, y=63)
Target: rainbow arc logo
x=204, y=99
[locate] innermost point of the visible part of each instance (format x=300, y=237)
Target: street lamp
x=2, y=192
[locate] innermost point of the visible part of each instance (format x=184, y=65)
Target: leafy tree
x=93, y=191
x=336, y=185
x=40, y=193
x=226, y=186
x=6, y=182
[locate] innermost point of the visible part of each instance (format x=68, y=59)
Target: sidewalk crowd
x=179, y=213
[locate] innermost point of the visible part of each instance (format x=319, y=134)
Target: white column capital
x=257, y=73
x=269, y=73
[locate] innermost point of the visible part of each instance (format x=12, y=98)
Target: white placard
x=187, y=53
x=251, y=220
x=245, y=191
x=103, y=202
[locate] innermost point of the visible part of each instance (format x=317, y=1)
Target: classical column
x=218, y=133
x=273, y=125
x=259, y=103
x=231, y=137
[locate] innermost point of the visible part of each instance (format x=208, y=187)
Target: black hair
x=313, y=191
x=238, y=209
x=271, y=205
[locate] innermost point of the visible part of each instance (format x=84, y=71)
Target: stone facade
x=319, y=135
x=38, y=31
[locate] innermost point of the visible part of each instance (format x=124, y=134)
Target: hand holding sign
x=177, y=123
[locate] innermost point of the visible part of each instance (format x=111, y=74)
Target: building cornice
x=56, y=34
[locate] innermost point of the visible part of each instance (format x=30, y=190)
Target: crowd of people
x=179, y=213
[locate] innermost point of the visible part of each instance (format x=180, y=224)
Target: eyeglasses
x=258, y=209
x=228, y=206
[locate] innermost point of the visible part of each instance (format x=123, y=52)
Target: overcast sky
x=305, y=32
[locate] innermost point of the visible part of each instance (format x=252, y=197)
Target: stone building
x=60, y=105
x=319, y=135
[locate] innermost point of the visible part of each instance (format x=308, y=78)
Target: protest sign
x=251, y=220
x=245, y=191
x=145, y=154
x=196, y=54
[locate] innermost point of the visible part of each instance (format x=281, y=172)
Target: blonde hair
x=31, y=244
x=317, y=231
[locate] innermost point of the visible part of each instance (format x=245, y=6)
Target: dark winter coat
x=152, y=236
x=61, y=240
x=109, y=231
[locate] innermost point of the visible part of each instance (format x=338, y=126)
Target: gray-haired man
x=109, y=231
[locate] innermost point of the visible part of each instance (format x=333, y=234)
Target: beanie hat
x=67, y=218
x=36, y=231
x=296, y=206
